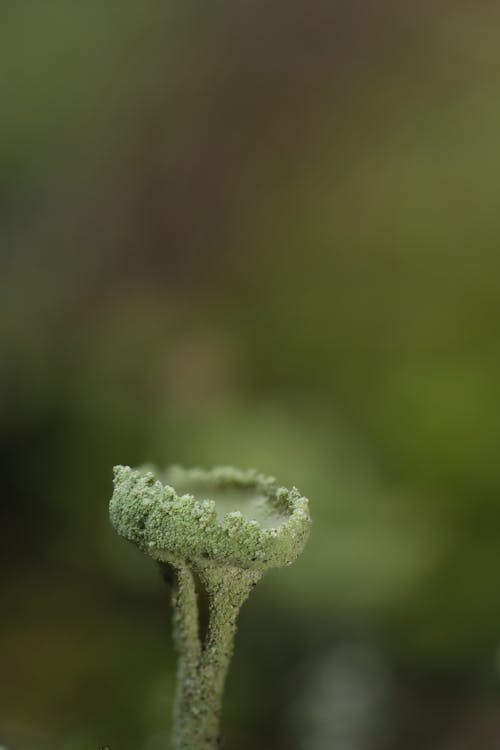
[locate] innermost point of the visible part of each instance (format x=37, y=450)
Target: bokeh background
x=265, y=234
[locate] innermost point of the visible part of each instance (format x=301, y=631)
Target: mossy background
x=264, y=234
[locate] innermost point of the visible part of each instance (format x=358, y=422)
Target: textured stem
x=188, y=647
x=202, y=669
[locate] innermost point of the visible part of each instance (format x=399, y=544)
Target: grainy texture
x=228, y=553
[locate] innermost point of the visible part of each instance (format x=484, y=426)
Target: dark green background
x=265, y=234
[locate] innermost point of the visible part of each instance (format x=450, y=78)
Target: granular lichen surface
x=222, y=528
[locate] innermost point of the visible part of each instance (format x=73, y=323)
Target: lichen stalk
x=197, y=711
x=227, y=527
x=187, y=643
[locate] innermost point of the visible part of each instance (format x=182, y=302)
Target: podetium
x=223, y=528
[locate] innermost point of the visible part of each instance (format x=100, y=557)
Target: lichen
x=225, y=527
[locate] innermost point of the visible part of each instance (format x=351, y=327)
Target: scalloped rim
x=292, y=506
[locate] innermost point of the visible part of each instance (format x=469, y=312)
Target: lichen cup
x=222, y=529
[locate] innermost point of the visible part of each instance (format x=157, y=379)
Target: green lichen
x=224, y=528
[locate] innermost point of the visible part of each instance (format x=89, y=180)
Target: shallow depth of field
x=264, y=234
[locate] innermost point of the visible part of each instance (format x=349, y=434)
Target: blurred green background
x=264, y=234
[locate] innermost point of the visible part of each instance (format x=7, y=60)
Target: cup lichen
x=223, y=528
